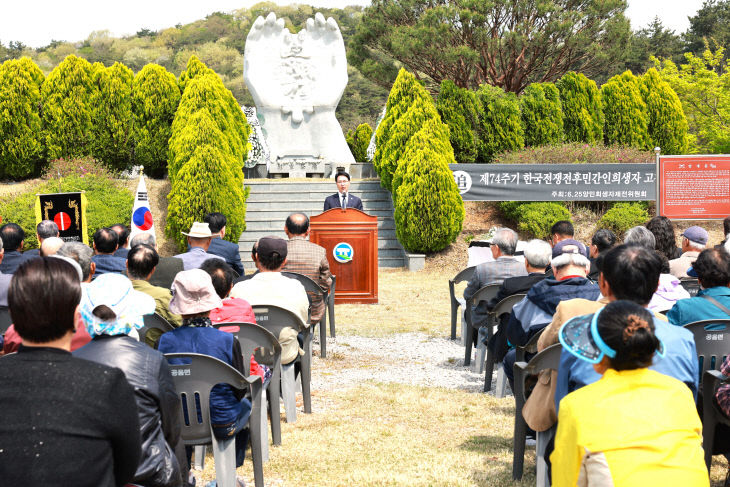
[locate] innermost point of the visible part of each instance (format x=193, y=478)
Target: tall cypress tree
x=542, y=114
x=500, y=126
x=667, y=123
x=625, y=116
x=582, y=108
x=458, y=109
x=112, y=116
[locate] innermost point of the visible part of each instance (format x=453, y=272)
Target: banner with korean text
x=556, y=182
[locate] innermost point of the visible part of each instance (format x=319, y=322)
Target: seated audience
x=166, y=269
x=105, y=244
x=712, y=269
x=537, y=259
x=721, y=445
x=601, y=241
x=663, y=230
x=13, y=239
x=561, y=230
x=199, y=239
x=111, y=309
x=193, y=297
x=66, y=421
x=82, y=254
x=570, y=264
x=640, y=236
x=307, y=258
x=268, y=286
x=504, y=265
x=122, y=232
x=50, y=246
x=142, y=263
x=223, y=248
x=4, y=279
x=635, y=426
x=45, y=229
x=693, y=242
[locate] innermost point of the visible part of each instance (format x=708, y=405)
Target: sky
x=36, y=23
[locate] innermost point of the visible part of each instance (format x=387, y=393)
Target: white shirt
x=275, y=289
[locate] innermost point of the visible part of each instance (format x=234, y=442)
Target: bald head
x=50, y=246
x=297, y=224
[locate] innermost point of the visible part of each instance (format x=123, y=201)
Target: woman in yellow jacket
x=633, y=427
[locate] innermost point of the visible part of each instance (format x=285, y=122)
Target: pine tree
x=21, y=144
x=112, y=116
x=155, y=96
x=458, y=109
x=500, y=127
x=542, y=114
x=625, y=115
x=582, y=108
x=667, y=123
x=68, y=94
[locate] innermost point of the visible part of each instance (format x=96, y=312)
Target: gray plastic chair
x=711, y=415
x=194, y=376
x=274, y=319
x=154, y=321
x=712, y=344
x=312, y=287
x=530, y=347
x=692, y=286
x=503, y=307
x=547, y=359
x=463, y=275
x=5, y=319
x=484, y=294
x=331, y=305
x=255, y=339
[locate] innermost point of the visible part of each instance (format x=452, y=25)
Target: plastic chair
x=692, y=286
x=194, y=376
x=5, y=319
x=463, y=275
x=484, y=294
x=331, y=305
x=503, y=307
x=313, y=288
x=712, y=344
x=711, y=415
x=547, y=359
x=275, y=319
x=257, y=339
x=154, y=322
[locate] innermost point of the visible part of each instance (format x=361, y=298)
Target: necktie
x=344, y=201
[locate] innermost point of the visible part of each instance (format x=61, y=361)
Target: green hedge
x=535, y=218
x=623, y=216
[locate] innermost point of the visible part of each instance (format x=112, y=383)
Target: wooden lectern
x=350, y=238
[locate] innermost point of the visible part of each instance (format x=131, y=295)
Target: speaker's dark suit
x=333, y=201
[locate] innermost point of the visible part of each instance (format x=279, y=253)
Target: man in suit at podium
x=342, y=198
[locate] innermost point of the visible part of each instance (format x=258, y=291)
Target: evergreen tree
x=458, y=109
x=625, y=115
x=21, y=144
x=582, y=108
x=500, y=127
x=194, y=69
x=358, y=140
x=68, y=94
x=112, y=116
x=542, y=114
x=667, y=122
x=155, y=96
x=429, y=211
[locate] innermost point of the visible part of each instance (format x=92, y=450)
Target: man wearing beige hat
x=269, y=286
x=199, y=239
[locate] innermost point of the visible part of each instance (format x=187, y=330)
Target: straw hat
x=199, y=230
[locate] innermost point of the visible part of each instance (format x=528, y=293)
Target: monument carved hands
x=296, y=81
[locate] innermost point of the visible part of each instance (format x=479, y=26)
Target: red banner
x=694, y=187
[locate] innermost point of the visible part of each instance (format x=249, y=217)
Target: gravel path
x=406, y=358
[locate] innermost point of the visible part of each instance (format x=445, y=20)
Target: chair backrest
x=692, y=286
x=254, y=338
x=154, y=321
x=463, y=275
x=309, y=285
x=194, y=375
x=275, y=318
x=506, y=305
x=547, y=359
x=484, y=294
x=712, y=340
x=5, y=319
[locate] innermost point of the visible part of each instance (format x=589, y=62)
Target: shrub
x=21, y=144
x=358, y=140
x=112, y=116
x=582, y=108
x=624, y=216
x=535, y=218
x=85, y=166
x=624, y=110
x=68, y=95
x=574, y=152
x=667, y=122
x=155, y=96
x=500, y=127
x=542, y=115
x=429, y=211
x=458, y=109
x=108, y=203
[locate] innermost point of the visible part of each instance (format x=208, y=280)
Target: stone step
x=280, y=215
x=310, y=206
x=385, y=227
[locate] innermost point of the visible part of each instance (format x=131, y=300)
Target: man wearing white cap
x=199, y=239
x=694, y=241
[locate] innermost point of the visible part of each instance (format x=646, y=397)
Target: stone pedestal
x=297, y=167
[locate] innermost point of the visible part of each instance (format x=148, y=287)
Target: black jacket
x=333, y=201
x=158, y=405
x=65, y=421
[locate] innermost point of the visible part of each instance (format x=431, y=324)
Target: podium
x=350, y=238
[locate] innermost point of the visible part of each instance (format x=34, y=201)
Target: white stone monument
x=296, y=81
